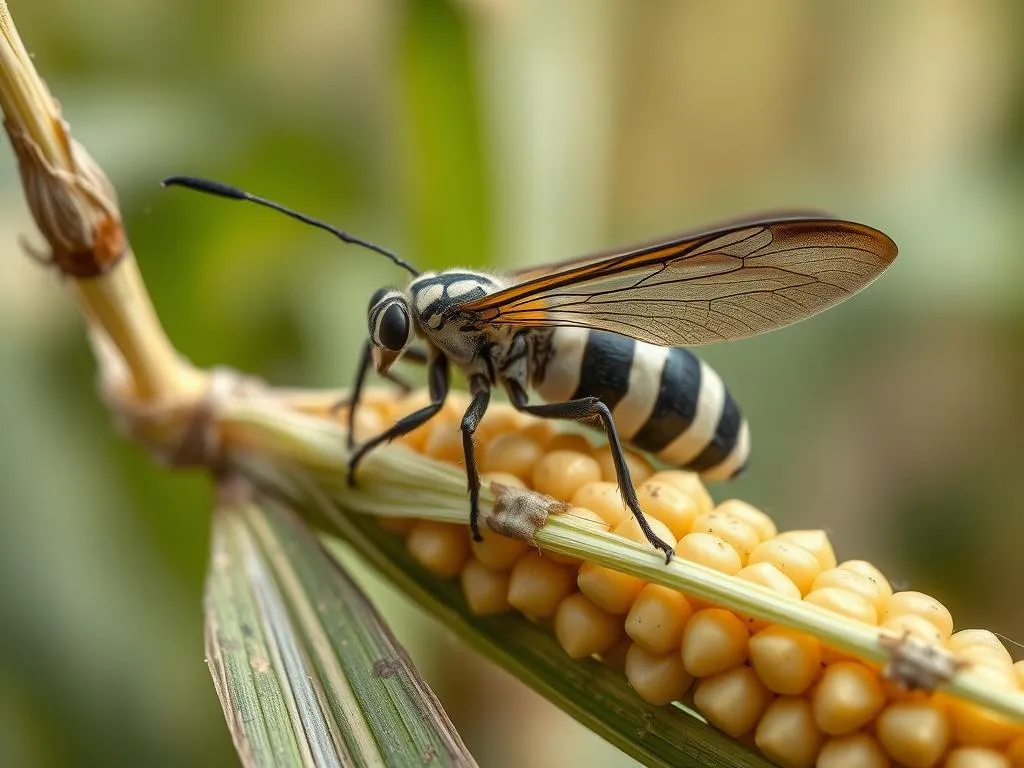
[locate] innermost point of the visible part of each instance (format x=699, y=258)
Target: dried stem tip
x=73, y=203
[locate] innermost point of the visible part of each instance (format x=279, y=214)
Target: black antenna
x=233, y=193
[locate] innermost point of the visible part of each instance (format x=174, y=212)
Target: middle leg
x=480, y=388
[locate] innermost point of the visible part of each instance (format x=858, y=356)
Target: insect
x=602, y=338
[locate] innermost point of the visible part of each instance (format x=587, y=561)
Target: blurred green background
x=499, y=132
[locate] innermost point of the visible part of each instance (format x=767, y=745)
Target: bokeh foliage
x=504, y=132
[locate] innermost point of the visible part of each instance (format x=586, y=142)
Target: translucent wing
x=726, y=284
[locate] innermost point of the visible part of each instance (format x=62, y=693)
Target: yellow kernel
x=858, y=750
x=501, y=478
x=922, y=605
x=977, y=726
x=851, y=581
x=1015, y=751
x=659, y=678
x=816, y=542
x=442, y=548
x=368, y=423
x=486, y=590
x=750, y=515
x=689, y=483
x=976, y=757
x=1018, y=670
x=847, y=698
x=399, y=525
x=639, y=468
x=864, y=568
x=569, y=441
x=537, y=585
x=583, y=629
x=604, y=499
x=541, y=431
x=613, y=590
x=711, y=551
x=787, y=661
x=770, y=577
x=510, y=453
x=656, y=620
x=794, y=561
x=849, y=604
x=588, y=517
x=444, y=443
x=714, y=640
x=915, y=734
x=787, y=734
x=499, y=419
x=669, y=504
x=413, y=402
x=972, y=638
x=732, y=701
x=630, y=529
x=912, y=625
x=985, y=656
x=740, y=535
x=497, y=552
x=561, y=473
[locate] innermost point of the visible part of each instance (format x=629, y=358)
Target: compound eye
x=392, y=330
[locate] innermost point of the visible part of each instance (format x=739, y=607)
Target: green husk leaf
x=306, y=672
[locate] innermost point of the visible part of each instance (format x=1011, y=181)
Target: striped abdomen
x=664, y=400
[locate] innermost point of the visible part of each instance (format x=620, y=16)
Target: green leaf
x=306, y=672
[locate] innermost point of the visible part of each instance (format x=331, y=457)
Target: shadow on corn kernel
x=797, y=701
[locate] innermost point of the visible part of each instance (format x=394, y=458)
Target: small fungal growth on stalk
x=798, y=701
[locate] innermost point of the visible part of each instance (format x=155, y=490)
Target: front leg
x=586, y=408
x=438, y=380
x=480, y=388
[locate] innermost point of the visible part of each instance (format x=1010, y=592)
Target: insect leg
x=586, y=408
x=413, y=355
x=438, y=377
x=480, y=387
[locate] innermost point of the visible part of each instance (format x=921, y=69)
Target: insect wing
x=721, y=285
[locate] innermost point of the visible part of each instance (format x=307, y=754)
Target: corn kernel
x=613, y=590
x=537, y=585
x=605, y=499
x=985, y=656
x=922, y=605
x=787, y=734
x=569, y=441
x=793, y=560
x=787, y=661
x=1018, y=670
x=510, y=453
x=639, y=468
x=738, y=534
x=583, y=629
x=847, y=698
x=848, y=604
x=1015, y=752
x=916, y=735
x=413, y=402
x=497, y=552
x=973, y=638
x=656, y=620
x=501, y=478
x=816, y=542
x=561, y=473
x=399, y=525
x=751, y=515
x=710, y=551
x=486, y=590
x=976, y=757
x=732, y=701
x=541, y=431
x=442, y=548
x=689, y=483
x=977, y=726
x=658, y=678
x=769, y=577
x=667, y=503
x=912, y=625
x=858, y=750
x=501, y=418
x=444, y=443
x=368, y=424
x=714, y=640
x=851, y=581
x=864, y=568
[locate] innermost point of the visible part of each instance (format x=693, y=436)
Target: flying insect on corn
x=602, y=339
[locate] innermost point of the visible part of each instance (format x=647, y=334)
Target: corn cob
x=800, y=702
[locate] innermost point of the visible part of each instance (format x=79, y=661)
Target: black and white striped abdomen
x=664, y=400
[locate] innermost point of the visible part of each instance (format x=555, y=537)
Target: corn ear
x=305, y=670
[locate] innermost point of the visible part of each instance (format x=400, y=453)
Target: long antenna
x=233, y=193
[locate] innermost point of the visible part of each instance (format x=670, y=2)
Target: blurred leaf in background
x=496, y=132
